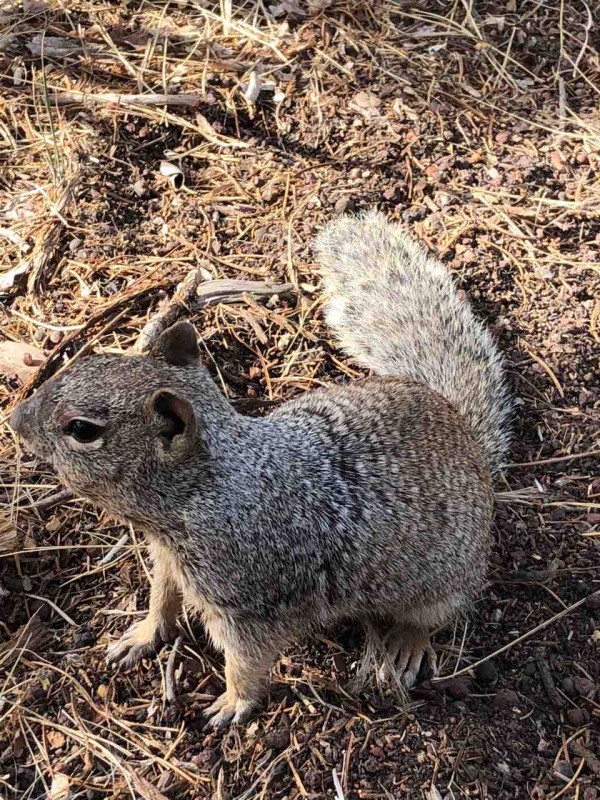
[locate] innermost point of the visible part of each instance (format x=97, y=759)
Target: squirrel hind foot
x=392, y=659
x=226, y=711
x=406, y=650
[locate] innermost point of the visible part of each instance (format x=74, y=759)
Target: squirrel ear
x=178, y=345
x=178, y=427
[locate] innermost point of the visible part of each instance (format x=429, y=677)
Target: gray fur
x=369, y=501
x=396, y=310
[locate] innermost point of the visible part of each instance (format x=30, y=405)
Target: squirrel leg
x=246, y=676
x=407, y=646
x=159, y=624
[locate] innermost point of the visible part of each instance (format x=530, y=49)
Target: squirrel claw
x=134, y=644
x=405, y=656
x=224, y=712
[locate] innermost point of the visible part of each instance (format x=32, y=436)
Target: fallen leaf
x=145, y=789
x=8, y=277
x=102, y=691
x=56, y=739
x=59, y=790
x=291, y=7
x=20, y=359
x=17, y=748
x=32, y=637
x=54, y=524
x=366, y=100
x=9, y=538
x=558, y=162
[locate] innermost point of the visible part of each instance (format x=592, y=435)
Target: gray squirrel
x=370, y=501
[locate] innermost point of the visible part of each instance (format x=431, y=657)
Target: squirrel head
x=111, y=424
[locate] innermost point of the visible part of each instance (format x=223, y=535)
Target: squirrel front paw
x=227, y=711
x=138, y=641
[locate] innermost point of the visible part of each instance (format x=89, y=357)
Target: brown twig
x=555, y=460
x=169, y=310
x=194, y=295
x=547, y=680
x=50, y=501
x=520, y=639
x=71, y=97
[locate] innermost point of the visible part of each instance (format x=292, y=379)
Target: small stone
x=102, y=691
x=529, y=669
x=593, y=601
x=206, y=758
x=278, y=739
x=55, y=337
x=506, y=698
x=486, y=674
x=459, y=688
x=139, y=187
x=313, y=778
x=371, y=766
x=342, y=204
x=54, y=524
x=576, y=717
x=568, y=687
x=590, y=793
x=84, y=637
x=366, y=100
x=564, y=769
x=583, y=686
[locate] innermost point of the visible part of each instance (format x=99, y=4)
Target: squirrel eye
x=82, y=430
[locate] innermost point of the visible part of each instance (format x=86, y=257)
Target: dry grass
x=477, y=123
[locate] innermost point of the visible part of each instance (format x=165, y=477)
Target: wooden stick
x=519, y=639
x=168, y=311
x=51, y=500
x=555, y=460
x=106, y=98
x=192, y=295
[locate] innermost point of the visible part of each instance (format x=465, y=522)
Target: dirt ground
x=474, y=122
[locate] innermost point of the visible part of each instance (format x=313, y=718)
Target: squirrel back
x=396, y=310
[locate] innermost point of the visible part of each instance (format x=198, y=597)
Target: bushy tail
x=396, y=309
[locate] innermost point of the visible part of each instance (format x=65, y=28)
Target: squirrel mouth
x=37, y=449
x=22, y=420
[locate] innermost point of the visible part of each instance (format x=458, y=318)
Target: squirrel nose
x=16, y=418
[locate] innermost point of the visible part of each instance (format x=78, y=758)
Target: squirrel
x=370, y=501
